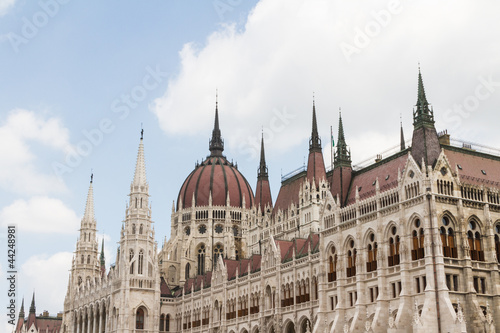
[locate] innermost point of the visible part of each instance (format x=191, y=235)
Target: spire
x=423, y=115
x=21, y=312
x=103, y=262
x=140, y=166
x=403, y=147
x=315, y=141
x=216, y=145
x=32, y=307
x=262, y=173
x=89, y=207
x=342, y=155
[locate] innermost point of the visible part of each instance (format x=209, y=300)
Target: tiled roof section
x=255, y=263
x=195, y=284
x=302, y=247
x=263, y=194
x=164, y=289
x=340, y=179
x=289, y=193
x=284, y=246
x=43, y=324
x=471, y=164
x=217, y=176
x=386, y=171
x=316, y=167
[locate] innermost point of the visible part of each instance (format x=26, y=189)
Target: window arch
x=474, y=238
x=332, y=265
x=83, y=259
x=351, y=259
x=140, y=263
x=218, y=251
x=417, y=251
x=201, y=259
x=133, y=229
x=394, y=242
x=371, y=263
x=131, y=256
x=140, y=319
x=497, y=241
x=162, y=323
x=186, y=271
x=167, y=323
x=448, y=237
x=141, y=229
x=88, y=259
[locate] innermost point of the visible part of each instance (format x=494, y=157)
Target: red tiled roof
x=472, y=163
x=316, y=168
x=164, y=289
x=387, y=173
x=283, y=247
x=263, y=194
x=289, y=193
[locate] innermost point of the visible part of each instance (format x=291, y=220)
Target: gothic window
x=167, y=323
x=218, y=229
x=351, y=259
x=133, y=229
x=497, y=241
x=417, y=251
x=131, y=255
x=201, y=259
x=88, y=259
x=162, y=323
x=139, y=319
x=83, y=259
x=80, y=280
x=141, y=229
x=474, y=238
x=187, y=231
x=186, y=272
x=371, y=264
x=235, y=231
x=141, y=202
x=218, y=251
x=448, y=238
x=202, y=229
x=135, y=202
x=140, y=262
x=394, y=241
x=172, y=272
x=332, y=265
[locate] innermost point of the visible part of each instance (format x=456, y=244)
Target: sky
x=78, y=81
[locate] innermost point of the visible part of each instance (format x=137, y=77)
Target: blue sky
x=77, y=70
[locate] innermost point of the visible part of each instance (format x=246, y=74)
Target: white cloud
x=5, y=6
x=40, y=215
x=290, y=48
x=19, y=133
x=48, y=277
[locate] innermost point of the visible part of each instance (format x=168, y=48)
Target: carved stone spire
x=315, y=141
x=263, y=190
x=88, y=216
x=216, y=145
x=423, y=115
x=262, y=166
x=403, y=146
x=342, y=155
x=102, y=259
x=140, y=166
x=32, y=307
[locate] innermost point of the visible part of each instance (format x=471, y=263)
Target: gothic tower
x=342, y=170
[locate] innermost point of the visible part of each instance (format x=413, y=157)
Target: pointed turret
x=263, y=190
x=32, y=314
x=20, y=319
x=32, y=306
x=102, y=260
x=403, y=146
x=21, y=312
x=316, y=171
x=342, y=171
x=89, y=206
x=425, y=141
x=140, y=166
x=216, y=145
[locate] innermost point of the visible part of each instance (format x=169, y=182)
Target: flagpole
x=331, y=153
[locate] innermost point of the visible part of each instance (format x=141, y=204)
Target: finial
x=216, y=97
x=313, y=98
x=142, y=132
x=91, y=176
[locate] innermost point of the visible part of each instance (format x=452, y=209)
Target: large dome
x=217, y=177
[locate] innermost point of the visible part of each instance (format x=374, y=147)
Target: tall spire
x=403, y=147
x=32, y=307
x=140, y=166
x=342, y=155
x=103, y=262
x=423, y=115
x=89, y=207
x=216, y=145
x=315, y=141
x=262, y=173
x=21, y=312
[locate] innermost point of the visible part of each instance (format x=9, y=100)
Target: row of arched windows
x=200, y=259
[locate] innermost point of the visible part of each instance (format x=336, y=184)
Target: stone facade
x=402, y=245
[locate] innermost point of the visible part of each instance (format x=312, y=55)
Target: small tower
x=425, y=141
x=263, y=199
x=315, y=164
x=342, y=171
x=86, y=266
x=102, y=260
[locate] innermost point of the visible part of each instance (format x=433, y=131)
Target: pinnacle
x=315, y=141
x=32, y=307
x=262, y=165
x=140, y=167
x=216, y=145
x=89, y=207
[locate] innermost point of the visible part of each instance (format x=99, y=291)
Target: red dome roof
x=217, y=176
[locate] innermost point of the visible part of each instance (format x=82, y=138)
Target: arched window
x=371, y=264
x=448, y=238
x=88, y=259
x=332, y=265
x=133, y=229
x=139, y=319
x=218, y=251
x=141, y=229
x=80, y=280
x=130, y=257
x=135, y=202
x=497, y=241
x=83, y=259
x=167, y=323
x=394, y=241
x=475, y=244
x=186, y=273
x=172, y=273
x=201, y=259
x=162, y=323
x=417, y=251
x=351, y=259
x=140, y=264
